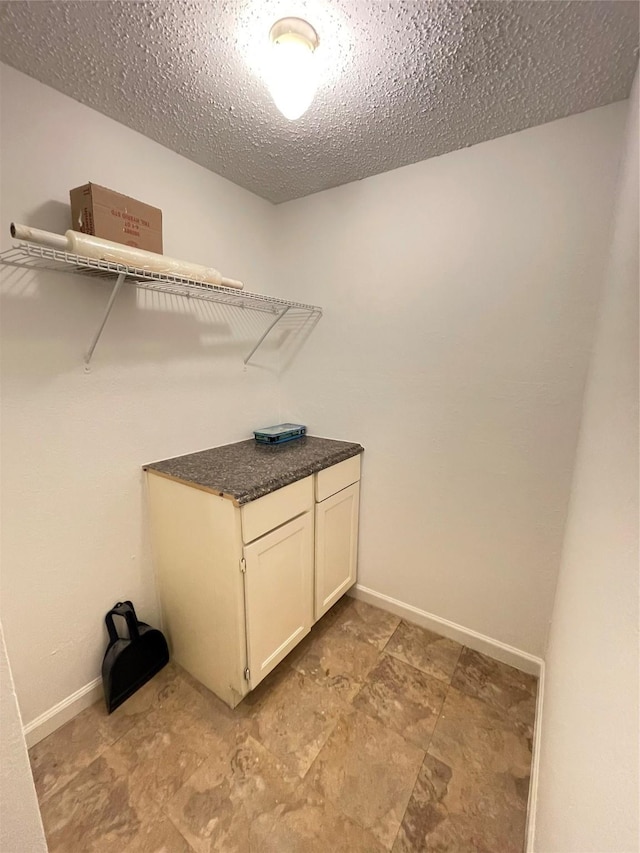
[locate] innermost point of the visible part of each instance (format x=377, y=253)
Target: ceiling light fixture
x=292, y=74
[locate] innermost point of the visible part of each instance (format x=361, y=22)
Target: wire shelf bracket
x=32, y=256
x=119, y=282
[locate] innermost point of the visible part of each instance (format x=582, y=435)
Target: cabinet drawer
x=337, y=477
x=264, y=514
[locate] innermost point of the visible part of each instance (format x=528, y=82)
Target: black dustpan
x=130, y=663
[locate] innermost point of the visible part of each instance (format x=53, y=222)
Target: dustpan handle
x=124, y=609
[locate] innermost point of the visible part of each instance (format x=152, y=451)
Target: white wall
x=20, y=823
x=588, y=795
x=459, y=299
x=166, y=379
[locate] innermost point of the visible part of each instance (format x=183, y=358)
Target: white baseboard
x=61, y=713
x=479, y=642
x=535, y=767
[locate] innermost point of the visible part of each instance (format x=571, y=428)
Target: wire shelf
x=33, y=256
x=42, y=257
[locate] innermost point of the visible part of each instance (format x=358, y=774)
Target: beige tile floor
x=373, y=735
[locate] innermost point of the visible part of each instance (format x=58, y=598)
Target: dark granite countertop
x=247, y=470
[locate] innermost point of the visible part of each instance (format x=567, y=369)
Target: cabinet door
x=336, y=547
x=278, y=594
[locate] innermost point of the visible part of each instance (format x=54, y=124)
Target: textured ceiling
x=401, y=81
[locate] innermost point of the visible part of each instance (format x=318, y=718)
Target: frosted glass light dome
x=292, y=75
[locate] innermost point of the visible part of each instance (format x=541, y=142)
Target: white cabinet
x=278, y=587
x=337, y=492
x=336, y=547
x=241, y=586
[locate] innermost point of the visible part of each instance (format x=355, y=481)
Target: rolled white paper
x=105, y=250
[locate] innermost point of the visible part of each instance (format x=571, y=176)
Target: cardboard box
x=104, y=213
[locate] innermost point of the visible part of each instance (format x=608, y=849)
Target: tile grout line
x=173, y=824
x=444, y=701
x=45, y=798
x=292, y=665
x=446, y=680
x=349, y=705
x=426, y=752
x=142, y=717
x=429, y=675
x=496, y=709
x=413, y=787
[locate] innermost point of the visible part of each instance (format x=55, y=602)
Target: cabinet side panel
x=196, y=550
